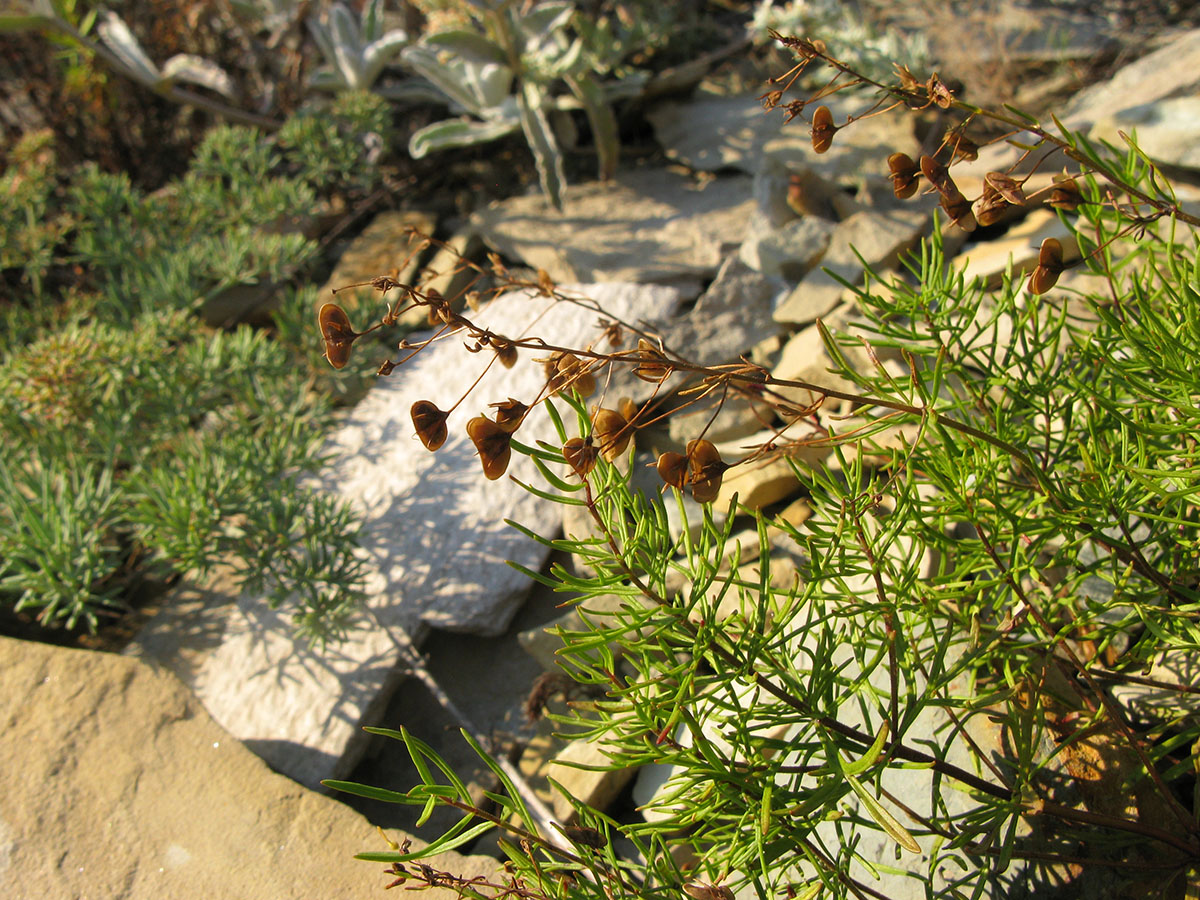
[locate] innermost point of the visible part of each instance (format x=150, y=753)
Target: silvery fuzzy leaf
x=457, y=133
x=567, y=61
x=474, y=85
x=540, y=26
x=347, y=43
x=601, y=118
x=380, y=52
x=120, y=40
x=540, y=138
x=197, y=70
x=326, y=79
x=22, y=16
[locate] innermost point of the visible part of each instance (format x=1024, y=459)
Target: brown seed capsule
x=962, y=146
x=706, y=470
x=1065, y=195
x=904, y=174
x=430, y=424
x=506, y=352
x=1049, y=267
x=586, y=837
x=823, y=129
x=654, y=367
x=493, y=443
x=337, y=334
x=1006, y=186
x=387, y=367
x=990, y=207
x=611, y=431
x=510, y=414
x=938, y=176
x=545, y=282
x=580, y=454
x=958, y=208
x=673, y=469
x=627, y=408
x=938, y=92
x=908, y=81
x=565, y=371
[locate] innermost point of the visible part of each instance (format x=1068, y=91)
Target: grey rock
x=789, y=251
x=433, y=536
x=650, y=225
x=728, y=319
x=1172, y=71
x=121, y=786
x=1168, y=131
x=710, y=132
x=877, y=237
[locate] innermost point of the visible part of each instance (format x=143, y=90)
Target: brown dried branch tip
x=493, y=444
x=1049, y=267
x=337, y=333
x=429, y=423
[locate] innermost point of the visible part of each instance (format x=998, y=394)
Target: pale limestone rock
x=789, y=251
x=121, y=786
x=710, y=132
x=1168, y=131
x=384, y=245
x=646, y=225
x=596, y=789
x=1171, y=71
x=433, y=536
x=805, y=358
x=879, y=238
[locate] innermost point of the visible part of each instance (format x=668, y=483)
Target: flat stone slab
x=652, y=225
x=119, y=785
x=434, y=538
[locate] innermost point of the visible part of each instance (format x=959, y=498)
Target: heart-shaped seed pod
x=566, y=371
x=580, y=454
x=904, y=174
x=823, y=129
x=706, y=470
x=430, y=424
x=337, y=334
x=962, y=146
x=654, y=367
x=494, y=445
x=1065, y=194
x=611, y=432
x=506, y=352
x=673, y=469
x=1049, y=267
x=1006, y=186
x=510, y=414
x=958, y=208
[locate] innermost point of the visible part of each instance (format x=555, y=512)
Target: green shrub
x=141, y=441
x=1005, y=532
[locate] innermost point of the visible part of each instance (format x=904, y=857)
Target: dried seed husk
x=958, y=208
x=1065, y=195
x=1049, y=267
x=506, y=351
x=494, y=445
x=706, y=470
x=387, y=367
x=698, y=890
x=904, y=174
x=938, y=92
x=337, y=333
x=627, y=408
x=611, y=431
x=510, y=414
x=962, y=146
x=989, y=208
x=568, y=372
x=580, y=454
x=654, y=367
x=430, y=424
x=939, y=177
x=673, y=469
x=823, y=129
x=908, y=81
x=1006, y=186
